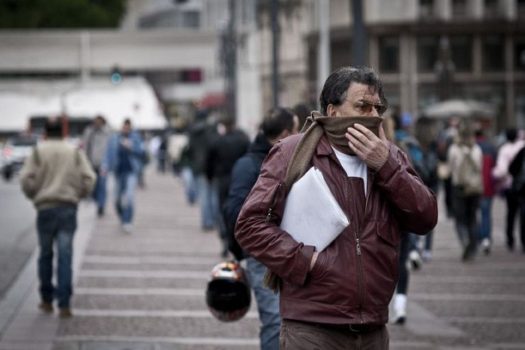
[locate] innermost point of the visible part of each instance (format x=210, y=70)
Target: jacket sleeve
x=87, y=175
x=414, y=204
x=243, y=177
x=258, y=230
x=28, y=176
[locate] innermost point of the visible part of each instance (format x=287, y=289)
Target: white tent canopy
x=459, y=108
x=133, y=98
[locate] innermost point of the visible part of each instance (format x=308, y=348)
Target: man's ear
x=331, y=111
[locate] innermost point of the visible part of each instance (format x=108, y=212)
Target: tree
x=61, y=13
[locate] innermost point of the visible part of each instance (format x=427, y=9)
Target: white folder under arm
x=312, y=215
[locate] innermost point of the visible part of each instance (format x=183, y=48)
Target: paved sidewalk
x=145, y=290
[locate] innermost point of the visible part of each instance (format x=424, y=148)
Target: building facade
x=484, y=41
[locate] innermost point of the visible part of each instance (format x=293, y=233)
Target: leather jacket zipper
x=269, y=213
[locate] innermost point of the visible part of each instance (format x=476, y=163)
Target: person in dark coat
x=278, y=124
x=225, y=149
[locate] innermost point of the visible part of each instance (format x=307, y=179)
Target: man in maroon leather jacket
x=338, y=298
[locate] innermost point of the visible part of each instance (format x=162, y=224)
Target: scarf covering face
x=335, y=128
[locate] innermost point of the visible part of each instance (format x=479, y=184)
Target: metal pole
x=323, y=55
x=231, y=62
x=359, y=45
x=275, y=51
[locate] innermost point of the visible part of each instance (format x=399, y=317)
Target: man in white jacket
x=55, y=177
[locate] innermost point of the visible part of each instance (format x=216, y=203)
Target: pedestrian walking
x=201, y=133
x=488, y=161
x=95, y=143
x=277, y=124
x=338, y=297
x=224, y=151
x=124, y=158
x=517, y=171
x=55, y=177
x=506, y=155
x=464, y=160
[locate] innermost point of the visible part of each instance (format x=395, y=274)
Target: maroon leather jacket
x=355, y=276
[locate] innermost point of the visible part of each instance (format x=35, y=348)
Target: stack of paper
x=312, y=215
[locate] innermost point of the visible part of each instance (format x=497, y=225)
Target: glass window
x=426, y=8
x=191, y=19
x=461, y=53
x=493, y=53
x=427, y=53
x=519, y=54
x=492, y=9
x=521, y=9
x=389, y=54
x=459, y=8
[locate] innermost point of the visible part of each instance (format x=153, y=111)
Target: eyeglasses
x=367, y=107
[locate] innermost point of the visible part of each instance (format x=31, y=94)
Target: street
x=17, y=231
x=146, y=290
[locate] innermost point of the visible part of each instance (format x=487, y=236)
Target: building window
x=459, y=8
x=461, y=53
x=519, y=54
x=427, y=53
x=426, y=9
x=191, y=19
x=521, y=8
x=389, y=54
x=493, y=53
x=492, y=9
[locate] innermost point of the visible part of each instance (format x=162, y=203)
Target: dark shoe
x=65, y=312
x=100, y=212
x=45, y=307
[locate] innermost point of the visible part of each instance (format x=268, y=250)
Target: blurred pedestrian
x=489, y=160
x=201, y=133
x=302, y=111
x=277, y=124
x=445, y=139
x=501, y=173
x=464, y=160
x=125, y=159
x=55, y=177
x=95, y=143
x=224, y=151
x=325, y=300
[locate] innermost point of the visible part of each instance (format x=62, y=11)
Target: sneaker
x=426, y=255
x=485, y=246
x=127, y=228
x=400, y=309
x=46, y=307
x=415, y=260
x=65, y=312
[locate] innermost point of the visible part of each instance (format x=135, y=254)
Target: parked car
x=13, y=154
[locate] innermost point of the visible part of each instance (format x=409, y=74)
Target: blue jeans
x=125, y=196
x=99, y=192
x=267, y=305
x=485, y=226
x=188, y=181
x=209, y=203
x=56, y=225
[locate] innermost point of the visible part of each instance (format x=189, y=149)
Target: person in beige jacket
x=55, y=177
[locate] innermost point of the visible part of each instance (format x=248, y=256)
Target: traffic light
x=116, y=76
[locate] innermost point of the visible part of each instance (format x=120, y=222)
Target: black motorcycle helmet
x=228, y=294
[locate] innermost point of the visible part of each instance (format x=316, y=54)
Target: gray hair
x=337, y=84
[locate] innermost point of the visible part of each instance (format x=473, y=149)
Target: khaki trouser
x=309, y=336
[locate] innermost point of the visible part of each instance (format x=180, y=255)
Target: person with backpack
x=464, y=159
x=277, y=124
x=489, y=159
x=337, y=297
